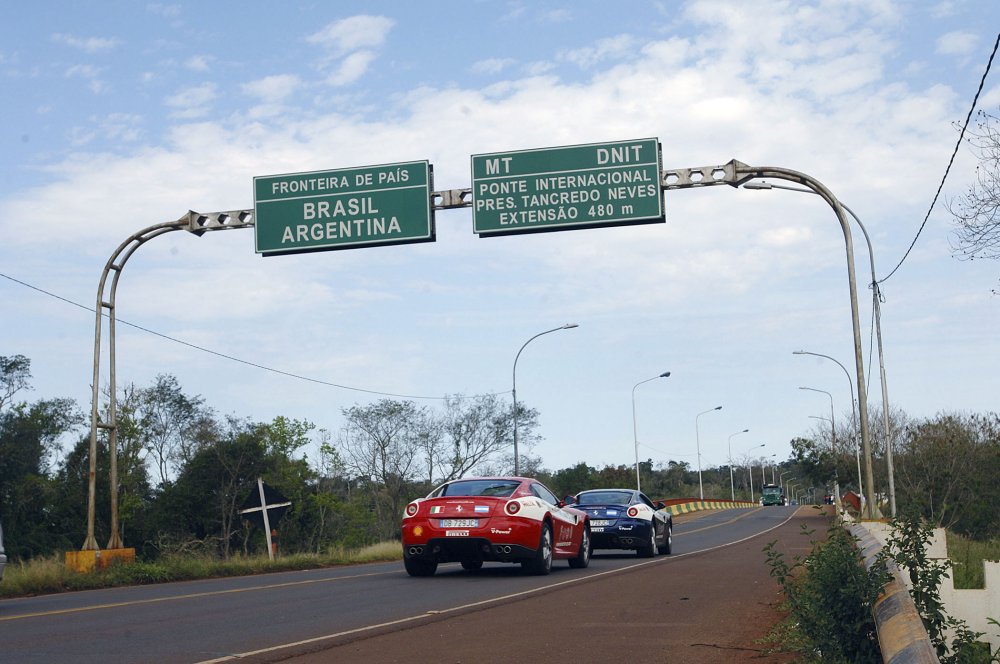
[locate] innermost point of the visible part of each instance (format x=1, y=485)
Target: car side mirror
x=660, y=505
x=568, y=500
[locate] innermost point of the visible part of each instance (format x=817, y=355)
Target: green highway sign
x=344, y=208
x=577, y=186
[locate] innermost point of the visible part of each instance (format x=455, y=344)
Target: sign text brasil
x=344, y=208
x=578, y=186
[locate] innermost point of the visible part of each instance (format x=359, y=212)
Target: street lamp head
x=665, y=374
x=717, y=408
x=757, y=185
x=745, y=431
x=569, y=326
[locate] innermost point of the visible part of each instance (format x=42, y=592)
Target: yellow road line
x=156, y=600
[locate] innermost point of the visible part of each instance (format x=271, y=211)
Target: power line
x=237, y=359
x=958, y=144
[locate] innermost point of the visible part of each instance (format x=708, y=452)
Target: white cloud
x=351, y=68
x=91, y=74
x=167, y=11
x=83, y=71
x=198, y=62
x=193, y=102
x=557, y=16
x=351, y=44
x=491, y=65
x=613, y=48
x=353, y=33
x=956, y=43
x=86, y=44
x=273, y=89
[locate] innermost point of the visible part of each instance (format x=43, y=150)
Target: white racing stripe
x=523, y=593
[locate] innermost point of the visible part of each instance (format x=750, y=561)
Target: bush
x=830, y=595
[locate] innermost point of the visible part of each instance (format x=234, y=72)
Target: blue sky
x=121, y=115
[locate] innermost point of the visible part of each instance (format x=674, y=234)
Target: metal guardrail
x=901, y=633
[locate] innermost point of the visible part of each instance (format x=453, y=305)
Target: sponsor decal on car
x=498, y=531
x=436, y=509
x=456, y=533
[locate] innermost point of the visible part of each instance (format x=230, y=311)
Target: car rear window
x=495, y=488
x=605, y=498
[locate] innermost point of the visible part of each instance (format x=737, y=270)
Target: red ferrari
x=501, y=519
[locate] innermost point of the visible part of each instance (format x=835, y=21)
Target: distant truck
x=772, y=494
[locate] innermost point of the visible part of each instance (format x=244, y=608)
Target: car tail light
x=633, y=512
x=411, y=509
x=513, y=507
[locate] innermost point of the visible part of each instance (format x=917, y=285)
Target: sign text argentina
x=600, y=184
x=344, y=208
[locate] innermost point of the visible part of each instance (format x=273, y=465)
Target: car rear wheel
x=472, y=565
x=541, y=564
x=649, y=549
x=668, y=540
x=417, y=567
x=582, y=559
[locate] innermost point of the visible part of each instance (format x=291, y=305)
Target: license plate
x=459, y=523
x=601, y=522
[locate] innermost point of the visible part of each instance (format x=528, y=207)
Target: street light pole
x=750, y=465
x=781, y=477
x=833, y=445
x=867, y=492
x=513, y=391
x=635, y=435
x=697, y=442
x=763, y=480
x=742, y=173
x=732, y=482
x=877, y=312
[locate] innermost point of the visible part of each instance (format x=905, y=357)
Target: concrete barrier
x=901, y=633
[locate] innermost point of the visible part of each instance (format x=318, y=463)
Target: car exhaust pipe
x=503, y=548
x=416, y=550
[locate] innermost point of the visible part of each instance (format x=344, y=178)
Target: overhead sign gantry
x=545, y=189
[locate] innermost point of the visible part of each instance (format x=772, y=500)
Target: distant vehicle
x=3, y=556
x=626, y=519
x=828, y=499
x=501, y=519
x=772, y=494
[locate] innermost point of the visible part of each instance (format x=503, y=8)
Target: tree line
x=184, y=471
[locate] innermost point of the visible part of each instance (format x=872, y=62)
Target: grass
x=967, y=558
x=49, y=575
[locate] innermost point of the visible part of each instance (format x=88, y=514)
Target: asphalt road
x=704, y=603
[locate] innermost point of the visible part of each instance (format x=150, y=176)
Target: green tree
x=381, y=444
x=475, y=430
x=29, y=440
x=203, y=503
x=572, y=480
x=168, y=422
x=977, y=212
x=15, y=375
x=946, y=470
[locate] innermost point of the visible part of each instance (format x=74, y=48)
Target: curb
x=699, y=505
x=902, y=636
